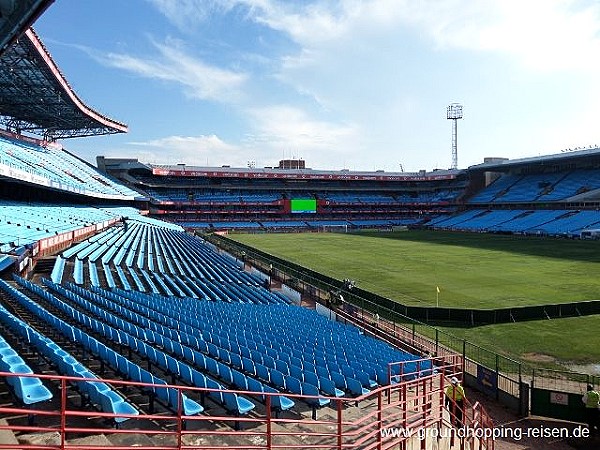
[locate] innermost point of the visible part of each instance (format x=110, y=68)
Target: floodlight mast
x=454, y=112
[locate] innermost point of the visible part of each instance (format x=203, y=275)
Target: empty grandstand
x=125, y=330
x=552, y=195
x=259, y=199
x=120, y=326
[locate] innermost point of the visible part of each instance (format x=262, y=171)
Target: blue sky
x=357, y=84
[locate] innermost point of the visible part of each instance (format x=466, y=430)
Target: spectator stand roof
x=181, y=170
x=584, y=157
x=35, y=97
x=16, y=16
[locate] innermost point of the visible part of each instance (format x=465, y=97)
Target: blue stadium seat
x=28, y=390
x=355, y=388
x=240, y=380
x=328, y=387
x=315, y=402
x=279, y=402
x=249, y=367
x=277, y=378
x=263, y=373
x=237, y=404
x=313, y=378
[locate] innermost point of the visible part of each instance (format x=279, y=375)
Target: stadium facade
x=555, y=195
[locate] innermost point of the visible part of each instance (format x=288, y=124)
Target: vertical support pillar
x=269, y=424
x=179, y=420
x=63, y=413
x=497, y=375
x=340, y=429
x=379, y=421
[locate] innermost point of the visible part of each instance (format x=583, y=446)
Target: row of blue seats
x=222, y=370
x=279, y=359
x=208, y=263
x=123, y=278
x=93, y=271
x=84, y=246
x=78, y=271
x=166, y=310
x=165, y=247
x=197, y=288
x=178, y=250
x=166, y=338
x=28, y=390
x=107, y=275
x=58, y=269
x=262, y=322
x=129, y=233
x=561, y=222
x=134, y=336
x=204, y=258
x=448, y=221
x=538, y=187
x=105, y=242
x=100, y=393
x=116, y=361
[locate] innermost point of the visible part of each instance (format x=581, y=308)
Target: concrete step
x=98, y=440
x=132, y=440
x=7, y=437
x=41, y=439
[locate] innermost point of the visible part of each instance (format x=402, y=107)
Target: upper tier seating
x=53, y=167
x=214, y=196
x=554, y=222
x=539, y=187
x=23, y=224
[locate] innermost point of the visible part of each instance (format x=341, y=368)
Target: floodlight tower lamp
x=454, y=112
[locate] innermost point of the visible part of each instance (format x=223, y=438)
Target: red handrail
x=409, y=405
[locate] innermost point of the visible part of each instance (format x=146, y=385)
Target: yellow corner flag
x=437, y=288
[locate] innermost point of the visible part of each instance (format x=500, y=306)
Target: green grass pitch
x=471, y=270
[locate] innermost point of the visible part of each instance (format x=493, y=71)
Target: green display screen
x=301, y=205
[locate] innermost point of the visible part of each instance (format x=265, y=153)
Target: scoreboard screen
x=301, y=205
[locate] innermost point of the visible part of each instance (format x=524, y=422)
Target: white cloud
x=287, y=129
x=188, y=14
x=199, y=79
x=275, y=132
x=192, y=150
x=185, y=13
x=544, y=35
x=384, y=68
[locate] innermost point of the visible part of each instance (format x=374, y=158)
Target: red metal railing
x=389, y=331
x=378, y=420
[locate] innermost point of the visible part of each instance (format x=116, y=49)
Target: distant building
x=292, y=164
